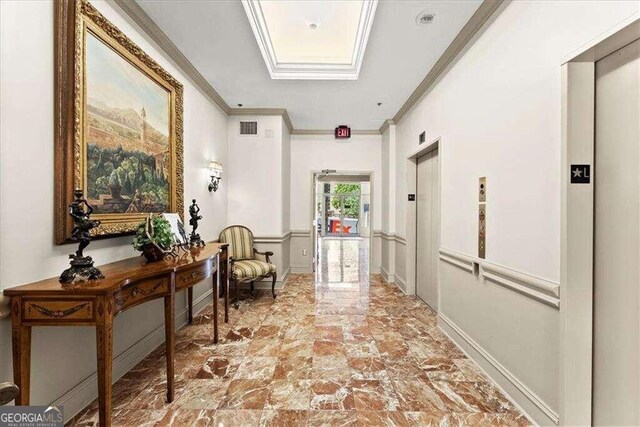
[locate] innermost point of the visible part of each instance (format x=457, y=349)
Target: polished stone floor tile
x=340, y=348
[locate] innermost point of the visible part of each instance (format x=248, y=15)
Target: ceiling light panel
x=316, y=40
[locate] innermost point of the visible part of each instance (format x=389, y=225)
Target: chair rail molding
x=533, y=287
x=530, y=286
x=272, y=238
x=455, y=258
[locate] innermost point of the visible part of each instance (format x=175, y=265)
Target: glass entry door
x=345, y=215
x=340, y=214
x=342, y=210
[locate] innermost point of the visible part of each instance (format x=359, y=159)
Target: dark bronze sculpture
x=194, y=238
x=81, y=265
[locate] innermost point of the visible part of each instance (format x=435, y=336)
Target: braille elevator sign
x=580, y=174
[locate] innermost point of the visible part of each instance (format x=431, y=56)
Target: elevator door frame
x=411, y=212
x=577, y=221
x=435, y=305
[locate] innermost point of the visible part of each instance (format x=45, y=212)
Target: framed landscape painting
x=119, y=125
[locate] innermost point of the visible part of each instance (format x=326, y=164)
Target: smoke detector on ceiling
x=425, y=18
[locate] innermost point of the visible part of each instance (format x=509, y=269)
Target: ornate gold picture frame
x=119, y=125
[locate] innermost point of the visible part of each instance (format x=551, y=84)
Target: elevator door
x=428, y=228
x=616, y=327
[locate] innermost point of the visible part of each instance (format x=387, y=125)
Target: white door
x=616, y=327
x=427, y=228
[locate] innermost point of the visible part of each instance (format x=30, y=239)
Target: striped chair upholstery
x=245, y=262
x=240, y=240
x=252, y=268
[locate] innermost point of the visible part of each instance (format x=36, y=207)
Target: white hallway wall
x=259, y=185
x=257, y=174
x=63, y=357
x=317, y=152
x=498, y=113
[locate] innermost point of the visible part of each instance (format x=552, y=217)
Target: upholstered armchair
x=246, y=263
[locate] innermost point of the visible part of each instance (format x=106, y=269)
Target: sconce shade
x=215, y=168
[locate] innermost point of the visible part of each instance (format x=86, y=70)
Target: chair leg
x=252, y=288
x=273, y=285
x=237, y=304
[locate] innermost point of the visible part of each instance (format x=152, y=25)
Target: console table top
x=119, y=273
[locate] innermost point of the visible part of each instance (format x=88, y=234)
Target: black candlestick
x=80, y=210
x=194, y=238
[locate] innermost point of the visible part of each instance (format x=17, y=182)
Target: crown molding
x=310, y=71
x=464, y=37
x=287, y=121
x=386, y=125
x=147, y=24
x=264, y=112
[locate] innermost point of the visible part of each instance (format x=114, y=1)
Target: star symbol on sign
x=577, y=173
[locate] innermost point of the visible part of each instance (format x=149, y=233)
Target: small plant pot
x=152, y=253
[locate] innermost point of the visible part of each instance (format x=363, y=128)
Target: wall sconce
x=215, y=171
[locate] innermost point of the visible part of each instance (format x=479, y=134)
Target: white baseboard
x=76, y=399
x=301, y=269
x=388, y=277
x=526, y=400
x=400, y=282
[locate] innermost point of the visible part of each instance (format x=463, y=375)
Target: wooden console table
x=127, y=283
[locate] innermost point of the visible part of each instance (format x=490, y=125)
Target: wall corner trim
x=387, y=123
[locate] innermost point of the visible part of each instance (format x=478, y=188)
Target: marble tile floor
x=324, y=353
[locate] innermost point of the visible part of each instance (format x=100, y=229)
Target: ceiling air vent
x=248, y=128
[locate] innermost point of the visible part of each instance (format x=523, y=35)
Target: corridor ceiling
x=217, y=38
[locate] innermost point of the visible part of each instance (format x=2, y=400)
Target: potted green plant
x=153, y=238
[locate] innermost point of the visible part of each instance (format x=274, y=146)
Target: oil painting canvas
x=119, y=127
x=126, y=135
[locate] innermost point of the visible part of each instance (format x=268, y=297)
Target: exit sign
x=342, y=132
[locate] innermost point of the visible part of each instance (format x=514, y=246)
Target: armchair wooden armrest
x=266, y=255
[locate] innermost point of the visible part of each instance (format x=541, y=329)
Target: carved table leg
x=21, y=336
x=190, y=302
x=225, y=284
x=216, y=289
x=104, y=342
x=169, y=329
